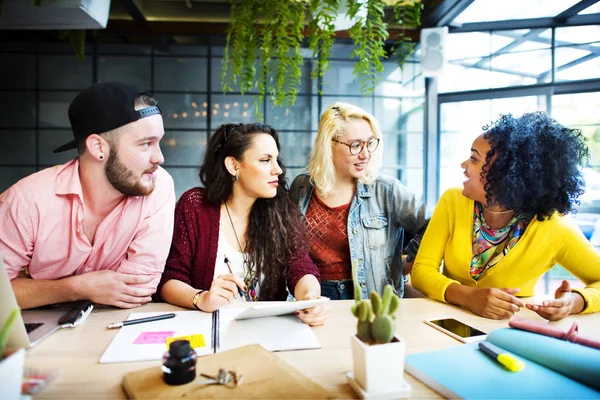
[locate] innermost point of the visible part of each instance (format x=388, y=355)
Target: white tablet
x=274, y=308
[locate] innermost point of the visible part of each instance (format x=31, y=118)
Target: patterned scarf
x=491, y=245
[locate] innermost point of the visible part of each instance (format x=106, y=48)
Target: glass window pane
x=591, y=9
x=521, y=68
x=293, y=117
x=54, y=109
x=188, y=111
x=577, y=52
x=18, y=109
x=17, y=147
x=124, y=48
x=231, y=109
x=366, y=103
x=404, y=115
x=184, y=50
x=181, y=74
x=183, y=148
x=295, y=148
x=62, y=47
x=410, y=177
x=65, y=72
x=184, y=179
x=307, y=85
x=493, y=10
x=51, y=139
x=18, y=47
x=133, y=70
x=405, y=82
x=17, y=71
x=340, y=79
x=215, y=77
x=292, y=173
x=11, y=175
x=462, y=122
x=464, y=52
x=580, y=111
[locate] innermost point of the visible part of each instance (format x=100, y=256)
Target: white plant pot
x=379, y=368
x=11, y=375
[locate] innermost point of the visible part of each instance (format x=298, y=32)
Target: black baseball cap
x=102, y=108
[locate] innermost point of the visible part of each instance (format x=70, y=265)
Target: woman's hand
x=565, y=303
x=316, y=315
x=223, y=290
x=487, y=302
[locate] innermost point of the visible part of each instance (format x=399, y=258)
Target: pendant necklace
x=250, y=279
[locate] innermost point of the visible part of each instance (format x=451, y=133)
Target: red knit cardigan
x=193, y=252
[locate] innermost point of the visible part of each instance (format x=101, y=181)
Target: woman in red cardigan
x=241, y=231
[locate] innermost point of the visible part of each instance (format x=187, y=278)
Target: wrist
x=75, y=288
x=577, y=303
x=198, y=301
x=457, y=294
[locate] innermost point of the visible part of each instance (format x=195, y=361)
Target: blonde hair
x=332, y=125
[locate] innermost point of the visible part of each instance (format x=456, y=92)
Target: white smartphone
x=457, y=329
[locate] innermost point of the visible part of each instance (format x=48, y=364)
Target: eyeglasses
x=356, y=146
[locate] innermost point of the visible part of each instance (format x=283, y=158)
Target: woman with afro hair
x=506, y=227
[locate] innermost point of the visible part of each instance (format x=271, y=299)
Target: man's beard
x=124, y=179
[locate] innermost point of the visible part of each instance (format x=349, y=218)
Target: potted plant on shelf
x=377, y=352
x=11, y=366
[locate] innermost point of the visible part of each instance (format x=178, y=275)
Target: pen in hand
x=240, y=291
x=140, y=320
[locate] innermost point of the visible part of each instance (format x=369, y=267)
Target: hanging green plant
x=267, y=33
x=369, y=34
x=407, y=14
x=322, y=33
x=264, y=39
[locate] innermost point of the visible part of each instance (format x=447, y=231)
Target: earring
x=102, y=157
x=236, y=176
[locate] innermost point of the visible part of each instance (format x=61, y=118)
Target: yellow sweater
x=543, y=244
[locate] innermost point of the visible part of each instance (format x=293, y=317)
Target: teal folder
x=466, y=372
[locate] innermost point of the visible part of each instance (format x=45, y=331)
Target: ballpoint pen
x=140, y=320
x=511, y=363
x=240, y=291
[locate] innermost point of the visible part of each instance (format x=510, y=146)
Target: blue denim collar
x=363, y=190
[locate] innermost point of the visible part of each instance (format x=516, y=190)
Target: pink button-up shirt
x=41, y=228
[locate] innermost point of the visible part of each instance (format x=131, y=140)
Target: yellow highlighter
x=509, y=361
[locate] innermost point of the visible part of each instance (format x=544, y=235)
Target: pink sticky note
x=153, y=337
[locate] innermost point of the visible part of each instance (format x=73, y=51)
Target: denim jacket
x=379, y=214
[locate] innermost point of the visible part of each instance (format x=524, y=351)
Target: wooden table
x=75, y=352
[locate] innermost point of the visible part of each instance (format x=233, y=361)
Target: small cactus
x=375, y=319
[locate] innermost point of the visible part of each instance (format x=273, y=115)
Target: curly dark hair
x=533, y=165
x=274, y=228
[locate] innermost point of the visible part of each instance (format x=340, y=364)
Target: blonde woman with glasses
x=355, y=218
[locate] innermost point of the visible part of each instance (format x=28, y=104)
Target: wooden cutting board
x=266, y=376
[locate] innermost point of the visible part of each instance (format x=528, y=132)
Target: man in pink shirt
x=98, y=228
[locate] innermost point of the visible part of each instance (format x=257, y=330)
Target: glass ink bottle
x=179, y=363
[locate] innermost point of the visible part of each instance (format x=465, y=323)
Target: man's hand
x=113, y=288
x=565, y=303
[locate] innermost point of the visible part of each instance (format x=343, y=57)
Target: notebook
x=208, y=333
x=554, y=369
x=32, y=326
x=265, y=376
